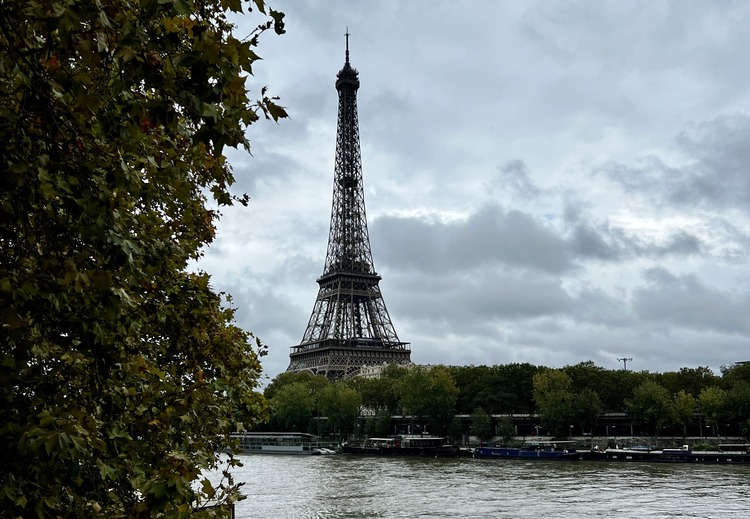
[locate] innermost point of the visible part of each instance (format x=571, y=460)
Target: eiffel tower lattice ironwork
x=349, y=327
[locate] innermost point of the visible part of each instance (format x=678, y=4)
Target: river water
x=344, y=486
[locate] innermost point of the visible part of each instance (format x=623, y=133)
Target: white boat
x=277, y=443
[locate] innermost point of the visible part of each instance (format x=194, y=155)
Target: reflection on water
x=362, y=487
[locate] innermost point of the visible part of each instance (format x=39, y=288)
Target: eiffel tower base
x=339, y=362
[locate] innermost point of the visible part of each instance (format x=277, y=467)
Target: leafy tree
x=712, y=405
x=517, y=382
x=505, y=429
x=481, y=424
x=737, y=405
x=651, y=406
x=616, y=385
x=690, y=380
x=341, y=405
x=292, y=406
x=121, y=369
x=456, y=430
x=739, y=372
x=684, y=410
x=554, y=401
x=586, y=408
x=314, y=383
x=429, y=392
x=382, y=422
x=584, y=375
x=377, y=393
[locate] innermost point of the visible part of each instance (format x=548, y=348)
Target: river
x=364, y=487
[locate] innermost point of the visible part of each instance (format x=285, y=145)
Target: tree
x=712, y=405
x=691, y=380
x=429, y=393
x=314, y=383
x=292, y=406
x=651, y=406
x=121, y=369
x=737, y=405
x=586, y=409
x=684, y=410
x=481, y=424
x=506, y=430
x=554, y=401
x=341, y=405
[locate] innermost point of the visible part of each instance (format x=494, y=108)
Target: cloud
x=686, y=302
x=715, y=177
x=490, y=235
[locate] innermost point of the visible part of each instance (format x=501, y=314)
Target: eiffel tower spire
x=349, y=326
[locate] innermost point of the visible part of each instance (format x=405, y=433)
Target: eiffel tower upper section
x=349, y=326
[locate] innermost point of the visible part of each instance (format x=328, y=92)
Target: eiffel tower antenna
x=349, y=327
x=347, y=45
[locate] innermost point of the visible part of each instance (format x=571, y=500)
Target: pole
x=624, y=361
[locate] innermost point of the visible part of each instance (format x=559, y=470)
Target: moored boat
x=536, y=450
x=277, y=443
x=724, y=454
x=433, y=446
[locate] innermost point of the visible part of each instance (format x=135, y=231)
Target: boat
x=727, y=453
x=323, y=451
x=433, y=446
x=636, y=453
x=533, y=450
x=278, y=443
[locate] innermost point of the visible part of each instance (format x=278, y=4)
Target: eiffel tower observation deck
x=349, y=327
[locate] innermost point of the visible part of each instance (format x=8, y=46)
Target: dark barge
x=432, y=446
x=726, y=453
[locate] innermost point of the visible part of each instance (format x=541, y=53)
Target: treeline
x=571, y=396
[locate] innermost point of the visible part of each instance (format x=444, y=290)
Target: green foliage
x=554, y=401
x=377, y=393
x=684, y=409
x=341, y=405
x=481, y=424
x=121, y=370
x=314, y=383
x=506, y=430
x=497, y=389
x=739, y=372
x=429, y=392
x=378, y=425
x=651, y=406
x=712, y=404
x=690, y=380
x=292, y=406
x=737, y=405
x=587, y=406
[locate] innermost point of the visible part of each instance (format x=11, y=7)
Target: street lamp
x=624, y=361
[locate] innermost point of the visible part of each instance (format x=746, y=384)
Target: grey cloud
x=481, y=298
x=684, y=301
x=514, y=176
x=488, y=236
x=718, y=176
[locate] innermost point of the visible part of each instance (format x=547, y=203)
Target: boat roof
x=274, y=434
x=549, y=442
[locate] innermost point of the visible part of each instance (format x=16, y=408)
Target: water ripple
x=338, y=487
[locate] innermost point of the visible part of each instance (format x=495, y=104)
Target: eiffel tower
x=349, y=327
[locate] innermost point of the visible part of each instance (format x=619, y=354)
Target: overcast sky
x=545, y=182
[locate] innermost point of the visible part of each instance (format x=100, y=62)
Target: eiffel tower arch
x=350, y=326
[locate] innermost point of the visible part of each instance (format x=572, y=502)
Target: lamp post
x=624, y=361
